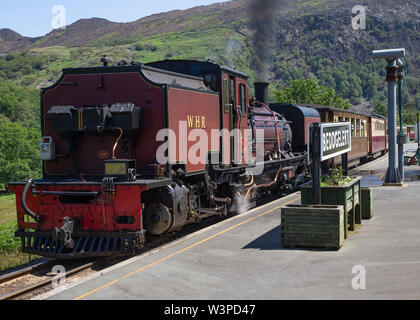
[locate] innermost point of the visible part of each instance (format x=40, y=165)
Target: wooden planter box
x=347, y=196
x=312, y=226
x=367, y=210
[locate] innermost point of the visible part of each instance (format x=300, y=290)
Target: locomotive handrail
x=65, y=193
x=273, y=121
x=24, y=205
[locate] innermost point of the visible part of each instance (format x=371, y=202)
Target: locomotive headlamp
x=123, y=170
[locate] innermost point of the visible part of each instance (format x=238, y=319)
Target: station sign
x=335, y=139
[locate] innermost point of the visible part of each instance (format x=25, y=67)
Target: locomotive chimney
x=261, y=92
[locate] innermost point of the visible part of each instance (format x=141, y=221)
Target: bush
x=19, y=104
x=8, y=242
x=309, y=91
x=19, y=152
x=139, y=47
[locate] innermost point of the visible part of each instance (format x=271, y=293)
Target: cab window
x=242, y=95
x=226, y=94
x=232, y=92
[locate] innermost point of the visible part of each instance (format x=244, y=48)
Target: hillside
x=8, y=35
x=308, y=39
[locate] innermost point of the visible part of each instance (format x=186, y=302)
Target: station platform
x=243, y=258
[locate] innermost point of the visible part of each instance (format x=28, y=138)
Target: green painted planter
x=319, y=226
x=348, y=196
x=367, y=210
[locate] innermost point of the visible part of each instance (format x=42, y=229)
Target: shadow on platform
x=271, y=240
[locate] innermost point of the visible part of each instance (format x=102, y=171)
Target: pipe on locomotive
x=251, y=181
x=25, y=207
x=265, y=185
x=116, y=142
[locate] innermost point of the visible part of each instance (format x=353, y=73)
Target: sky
x=34, y=18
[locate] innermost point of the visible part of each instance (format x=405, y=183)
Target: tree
x=19, y=104
x=409, y=114
x=309, y=91
x=381, y=109
x=19, y=152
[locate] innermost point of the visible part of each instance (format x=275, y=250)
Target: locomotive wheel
x=157, y=219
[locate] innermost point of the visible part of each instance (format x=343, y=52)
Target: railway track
x=42, y=283
x=24, y=271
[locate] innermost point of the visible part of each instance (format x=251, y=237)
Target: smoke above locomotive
x=263, y=20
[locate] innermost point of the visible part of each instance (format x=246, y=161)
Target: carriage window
x=363, y=129
x=340, y=119
x=242, y=95
x=347, y=119
x=357, y=127
x=352, y=127
x=226, y=94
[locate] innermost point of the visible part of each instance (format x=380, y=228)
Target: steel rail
x=19, y=273
x=44, y=283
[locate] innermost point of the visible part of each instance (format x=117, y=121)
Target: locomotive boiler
x=105, y=130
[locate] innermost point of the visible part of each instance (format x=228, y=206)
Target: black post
x=316, y=162
x=345, y=164
x=418, y=130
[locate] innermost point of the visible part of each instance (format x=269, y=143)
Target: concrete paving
x=242, y=258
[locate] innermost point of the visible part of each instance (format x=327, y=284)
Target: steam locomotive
x=104, y=189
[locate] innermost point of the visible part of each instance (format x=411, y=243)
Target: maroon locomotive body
x=104, y=187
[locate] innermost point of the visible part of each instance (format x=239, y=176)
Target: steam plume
x=262, y=16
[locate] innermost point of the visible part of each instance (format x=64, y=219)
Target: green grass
x=7, y=208
x=10, y=252
x=313, y=3
x=188, y=44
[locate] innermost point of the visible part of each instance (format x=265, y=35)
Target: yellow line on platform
x=183, y=250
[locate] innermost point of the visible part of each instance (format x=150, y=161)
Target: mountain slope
x=8, y=35
x=308, y=39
